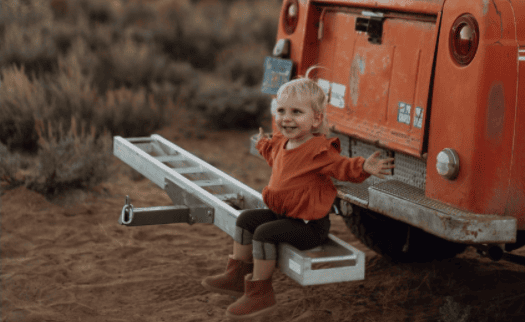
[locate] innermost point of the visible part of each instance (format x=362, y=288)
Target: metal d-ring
x=129, y=209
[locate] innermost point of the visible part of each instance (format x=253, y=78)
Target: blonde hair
x=306, y=89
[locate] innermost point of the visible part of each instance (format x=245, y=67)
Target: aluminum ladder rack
x=203, y=194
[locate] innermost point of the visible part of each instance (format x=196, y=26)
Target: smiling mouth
x=289, y=128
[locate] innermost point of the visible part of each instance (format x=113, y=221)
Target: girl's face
x=295, y=119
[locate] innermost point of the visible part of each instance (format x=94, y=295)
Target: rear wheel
x=396, y=240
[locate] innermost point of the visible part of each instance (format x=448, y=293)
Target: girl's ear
x=318, y=119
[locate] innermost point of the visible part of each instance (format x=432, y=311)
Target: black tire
x=388, y=237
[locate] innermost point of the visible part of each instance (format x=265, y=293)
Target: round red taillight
x=291, y=16
x=464, y=39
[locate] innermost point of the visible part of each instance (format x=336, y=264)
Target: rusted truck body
x=438, y=85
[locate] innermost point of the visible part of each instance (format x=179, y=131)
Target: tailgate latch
x=371, y=25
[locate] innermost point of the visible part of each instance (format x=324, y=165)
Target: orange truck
x=438, y=85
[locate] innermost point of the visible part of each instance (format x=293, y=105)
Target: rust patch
x=495, y=112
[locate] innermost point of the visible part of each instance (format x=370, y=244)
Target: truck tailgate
x=379, y=80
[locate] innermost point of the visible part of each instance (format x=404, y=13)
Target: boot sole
x=262, y=312
x=221, y=290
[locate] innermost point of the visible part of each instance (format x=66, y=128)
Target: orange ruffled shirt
x=300, y=185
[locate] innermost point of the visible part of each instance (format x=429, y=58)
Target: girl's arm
x=264, y=146
x=345, y=169
x=355, y=169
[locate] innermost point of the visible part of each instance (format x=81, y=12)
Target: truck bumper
x=409, y=204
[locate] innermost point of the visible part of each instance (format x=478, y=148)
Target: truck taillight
x=291, y=15
x=464, y=39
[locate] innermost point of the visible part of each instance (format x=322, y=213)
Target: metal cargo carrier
x=204, y=194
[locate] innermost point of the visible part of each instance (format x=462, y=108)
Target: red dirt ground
x=69, y=260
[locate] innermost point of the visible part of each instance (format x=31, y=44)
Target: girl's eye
x=297, y=111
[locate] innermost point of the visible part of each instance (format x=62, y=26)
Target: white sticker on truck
x=294, y=266
x=418, y=119
x=338, y=95
x=403, y=113
x=324, y=84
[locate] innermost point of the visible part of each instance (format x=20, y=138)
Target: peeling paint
x=362, y=65
x=485, y=7
x=356, y=70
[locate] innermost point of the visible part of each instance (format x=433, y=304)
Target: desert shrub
x=137, y=13
x=20, y=97
x=228, y=105
x=70, y=91
x=63, y=35
x=31, y=47
x=255, y=21
x=200, y=32
x=11, y=166
x=101, y=37
x=132, y=64
x=129, y=113
x=75, y=160
x=243, y=62
x=167, y=29
x=99, y=11
x=60, y=8
x=25, y=13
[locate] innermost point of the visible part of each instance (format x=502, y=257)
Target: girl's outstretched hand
x=261, y=134
x=376, y=166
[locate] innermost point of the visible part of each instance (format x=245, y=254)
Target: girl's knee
x=242, y=236
x=242, y=219
x=264, y=250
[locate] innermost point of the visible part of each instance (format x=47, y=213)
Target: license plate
x=277, y=71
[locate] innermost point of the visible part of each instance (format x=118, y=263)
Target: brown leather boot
x=258, y=300
x=230, y=282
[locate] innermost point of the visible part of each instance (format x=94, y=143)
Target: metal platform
x=203, y=194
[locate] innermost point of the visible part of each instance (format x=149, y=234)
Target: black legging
x=265, y=230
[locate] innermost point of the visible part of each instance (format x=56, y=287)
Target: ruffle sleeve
x=266, y=146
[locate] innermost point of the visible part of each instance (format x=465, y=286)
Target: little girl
x=299, y=196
